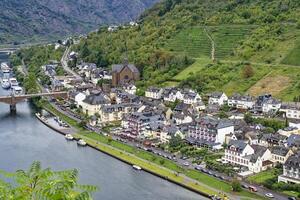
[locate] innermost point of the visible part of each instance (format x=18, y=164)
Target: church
x=124, y=73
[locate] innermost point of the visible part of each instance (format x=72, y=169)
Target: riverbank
x=191, y=179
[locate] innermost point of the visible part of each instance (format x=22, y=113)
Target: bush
x=236, y=186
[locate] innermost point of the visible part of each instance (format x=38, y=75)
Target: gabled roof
x=293, y=161
x=258, y=152
x=280, y=150
x=216, y=95
x=96, y=99
x=238, y=144
x=119, y=67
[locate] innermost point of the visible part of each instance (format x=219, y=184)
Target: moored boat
x=136, y=167
x=13, y=82
x=81, y=142
x=5, y=84
x=5, y=68
x=69, y=137
x=17, y=90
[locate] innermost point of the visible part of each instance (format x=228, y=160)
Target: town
x=224, y=136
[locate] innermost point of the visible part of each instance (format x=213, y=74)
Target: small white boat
x=13, y=82
x=17, y=90
x=69, y=137
x=81, y=142
x=5, y=68
x=136, y=167
x=5, y=84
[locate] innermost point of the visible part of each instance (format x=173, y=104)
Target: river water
x=23, y=139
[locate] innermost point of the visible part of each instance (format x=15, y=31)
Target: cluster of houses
x=150, y=117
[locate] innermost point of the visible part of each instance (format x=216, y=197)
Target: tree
x=236, y=186
x=175, y=141
x=248, y=118
x=38, y=183
x=248, y=71
x=222, y=115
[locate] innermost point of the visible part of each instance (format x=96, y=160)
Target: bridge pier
x=13, y=108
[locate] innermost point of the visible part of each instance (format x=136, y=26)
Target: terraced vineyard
x=227, y=38
x=195, y=43
x=293, y=57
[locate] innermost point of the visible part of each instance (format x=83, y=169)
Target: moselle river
x=23, y=139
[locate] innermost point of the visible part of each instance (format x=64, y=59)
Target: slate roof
x=238, y=144
x=153, y=89
x=258, y=152
x=96, y=99
x=216, y=95
x=240, y=97
x=293, y=161
x=291, y=105
x=279, y=150
x=293, y=140
x=119, y=67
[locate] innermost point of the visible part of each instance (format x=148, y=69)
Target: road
x=64, y=63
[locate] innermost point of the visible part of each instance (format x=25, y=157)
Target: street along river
x=24, y=139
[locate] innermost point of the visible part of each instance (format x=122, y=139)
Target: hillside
x=174, y=41
x=35, y=20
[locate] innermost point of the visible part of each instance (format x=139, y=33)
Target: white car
x=270, y=195
x=186, y=164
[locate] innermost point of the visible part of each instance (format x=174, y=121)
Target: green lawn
x=264, y=176
x=200, y=64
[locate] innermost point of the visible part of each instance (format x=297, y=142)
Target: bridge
x=8, y=50
x=12, y=100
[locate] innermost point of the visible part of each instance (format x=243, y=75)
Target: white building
x=130, y=88
x=189, y=97
x=172, y=94
x=292, y=110
x=280, y=154
x=79, y=99
x=218, y=98
x=92, y=104
x=291, y=170
x=271, y=105
x=154, y=93
x=256, y=158
x=243, y=102
x=209, y=132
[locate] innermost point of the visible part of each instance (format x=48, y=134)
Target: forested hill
x=256, y=46
x=32, y=20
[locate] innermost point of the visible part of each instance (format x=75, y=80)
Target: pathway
x=213, y=49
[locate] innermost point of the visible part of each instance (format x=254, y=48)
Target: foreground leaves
x=43, y=184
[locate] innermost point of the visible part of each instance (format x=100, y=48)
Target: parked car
x=186, y=164
x=269, y=195
x=245, y=186
x=253, y=189
x=292, y=198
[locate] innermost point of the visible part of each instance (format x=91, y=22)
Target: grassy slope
x=293, y=57
x=266, y=78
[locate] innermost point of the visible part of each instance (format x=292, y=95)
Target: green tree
x=248, y=71
x=37, y=183
x=236, y=186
